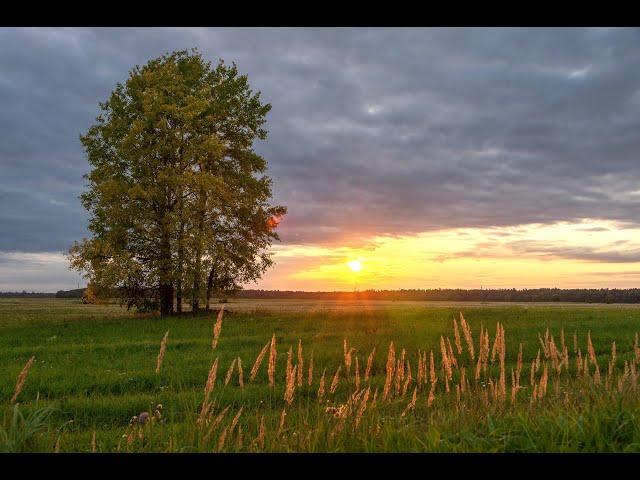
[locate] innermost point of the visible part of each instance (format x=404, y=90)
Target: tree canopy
x=178, y=198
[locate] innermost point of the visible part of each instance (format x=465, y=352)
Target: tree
x=176, y=188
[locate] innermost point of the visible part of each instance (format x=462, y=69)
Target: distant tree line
x=25, y=294
x=75, y=293
x=585, y=295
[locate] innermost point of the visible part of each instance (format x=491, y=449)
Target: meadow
x=296, y=376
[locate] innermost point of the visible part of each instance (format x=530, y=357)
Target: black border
x=496, y=465
x=269, y=14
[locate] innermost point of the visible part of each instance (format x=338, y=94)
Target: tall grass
x=449, y=400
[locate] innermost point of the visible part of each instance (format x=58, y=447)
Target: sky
x=453, y=158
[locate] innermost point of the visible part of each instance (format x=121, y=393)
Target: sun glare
x=355, y=265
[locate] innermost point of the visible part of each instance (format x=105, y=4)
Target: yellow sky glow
x=590, y=253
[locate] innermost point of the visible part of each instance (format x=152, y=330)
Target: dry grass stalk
x=496, y=342
x=482, y=353
x=545, y=343
x=259, y=440
x=291, y=386
x=272, y=362
x=451, y=355
x=227, y=378
x=636, y=347
x=421, y=370
x=432, y=368
x=501, y=357
x=463, y=379
x=94, y=446
x=289, y=364
x=208, y=388
x=281, y=424
x=321, y=390
x=362, y=407
x=240, y=374
x=345, y=348
x=408, y=380
x=593, y=359
x=300, y=363
x=432, y=393
x=216, y=422
x=390, y=369
x=375, y=398
x=367, y=372
x=217, y=328
x=234, y=422
x=399, y=376
x=412, y=403
x=446, y=364
x=585, y=367
x=163, y=349
x=335, y=381
x=468, y=337
x=575, y=342
x=357, y=372
x=221, y=440
x=22, y=377
x=258, y=362
x=396, y=379
x=542, y=386
x=485, y=362
x=456, y=335
x=348, y=357
x=519, y=365
x=579, y=362
x=614, y=355
x=532, y=373
x=565, y=350
x=554, y=354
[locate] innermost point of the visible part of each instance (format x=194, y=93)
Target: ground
x=95, y=367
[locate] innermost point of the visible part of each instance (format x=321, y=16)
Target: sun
x=355, y=265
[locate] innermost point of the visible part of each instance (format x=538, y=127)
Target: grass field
x=94, y=370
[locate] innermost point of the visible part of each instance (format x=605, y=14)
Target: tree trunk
x=166, y=299
x=197, y=275
x=179, y=297
x=166, y=285
x=180, y=270
x=209, y=288
x=195, y=299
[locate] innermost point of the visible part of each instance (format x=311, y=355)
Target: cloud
x=372, y=132
x=43, y=271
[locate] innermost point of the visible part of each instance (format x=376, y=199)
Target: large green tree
x=178, y=198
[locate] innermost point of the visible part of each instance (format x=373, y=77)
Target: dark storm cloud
x=373, y=131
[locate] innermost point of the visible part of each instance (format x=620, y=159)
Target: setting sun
x=355, y=265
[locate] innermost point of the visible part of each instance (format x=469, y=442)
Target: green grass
x=95, y=370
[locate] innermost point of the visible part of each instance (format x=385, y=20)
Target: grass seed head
x=22, y=377
x=163, y=349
